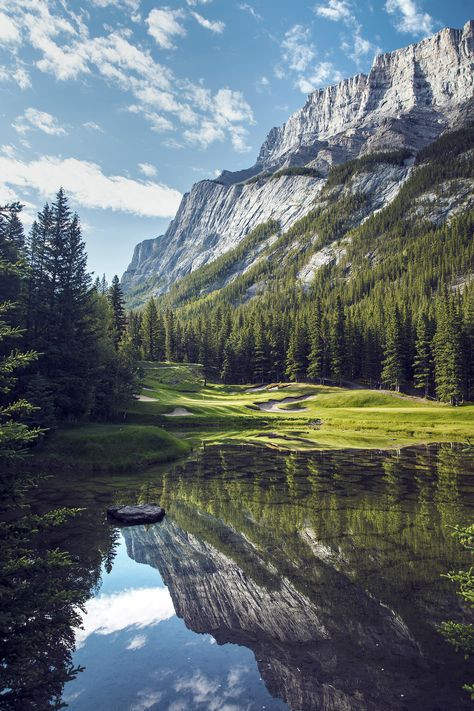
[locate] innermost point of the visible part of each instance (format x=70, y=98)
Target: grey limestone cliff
x=407, y=99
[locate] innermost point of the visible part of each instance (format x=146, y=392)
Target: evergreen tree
x=116, y=299
x=297, y=355
x=150, y=332
x=316, y=354
x=448, y=351
x=338, y=343
x=423, y=362
x=392, y=370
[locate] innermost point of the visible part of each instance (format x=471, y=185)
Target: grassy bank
x=176, y=412
x=110, y=447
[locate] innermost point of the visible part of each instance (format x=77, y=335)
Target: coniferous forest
x=396, y=312
x=66, y=353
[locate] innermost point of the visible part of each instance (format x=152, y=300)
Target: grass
x=332, y=418
x=106, y=447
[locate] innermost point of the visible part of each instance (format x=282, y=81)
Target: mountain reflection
x=326, y=566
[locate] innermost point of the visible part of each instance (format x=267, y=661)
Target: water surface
x=275, y=581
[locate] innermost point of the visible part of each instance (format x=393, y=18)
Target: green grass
x=222, y=414
x=350, y=418
x=106, y=447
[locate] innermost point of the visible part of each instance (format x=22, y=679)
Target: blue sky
x=127, y=103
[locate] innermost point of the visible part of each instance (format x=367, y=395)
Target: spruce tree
x=392, y=370
x=150, y=331
x=297, y=355
x=338, y=343
x=423, y=362
x=448, y=351
x=116, y=299
x=316, y=354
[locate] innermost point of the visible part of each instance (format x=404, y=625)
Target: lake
x=275, y=581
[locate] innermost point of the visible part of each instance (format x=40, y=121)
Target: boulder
x=136, y=514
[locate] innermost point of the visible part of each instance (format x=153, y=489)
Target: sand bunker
x=276, y=405
x=178, y=412
x=145, y=398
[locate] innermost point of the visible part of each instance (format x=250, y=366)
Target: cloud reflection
x=140, y=608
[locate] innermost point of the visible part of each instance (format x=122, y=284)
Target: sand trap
x=275, y=405
x=145, y=398
x=179, y=412
x=257, y=389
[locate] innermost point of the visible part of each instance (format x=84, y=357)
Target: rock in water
x=135, y=515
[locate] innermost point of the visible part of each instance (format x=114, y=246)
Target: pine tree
x=150, y=331
x=260, y=354
x=448, y=351
x=297, y=355
x=116, y=299
x=316, y=354
x=392, y=370
x=338, y=343
x=423, y=362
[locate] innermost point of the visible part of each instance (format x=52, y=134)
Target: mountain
x=409, y=98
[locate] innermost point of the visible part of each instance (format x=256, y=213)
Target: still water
x=275, y=581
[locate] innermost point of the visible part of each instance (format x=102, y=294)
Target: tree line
x=431, y=351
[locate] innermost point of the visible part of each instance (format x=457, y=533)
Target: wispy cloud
x=147, y=169
x=298, y=50
x=215, y=26
x=88, y=186
x=68, y=52
x=93, y=126
x=335, y=10
x=321, y=74
x=164, y=25
x=245, y=7
x=40, y=120
x=409, y=17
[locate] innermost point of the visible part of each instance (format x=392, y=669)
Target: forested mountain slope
x=407, y=100
x=348, y=292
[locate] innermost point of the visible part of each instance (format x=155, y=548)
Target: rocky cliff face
x=314, y=655
x=408, y=98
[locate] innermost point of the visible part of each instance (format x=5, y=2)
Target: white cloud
x=9, y=31
x=131, y=4
x=22, y=78
x=137, y=608
x=262, y=85
x=147, y=169
x=335, y=10
x=68, y=52
x=245, y=7
x=88, y=186
x=41, y=120
x=215, y=26
x=321, y=74
x=148, y=698
x=298, y=51
x=163, y=25
x=93, y=126
x=193, y=3
x=409, y=18
x=137, y=642
x=228, y=109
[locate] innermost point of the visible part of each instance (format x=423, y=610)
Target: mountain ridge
x=404, y=102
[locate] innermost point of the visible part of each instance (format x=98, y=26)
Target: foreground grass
x=331, y=418
x=100, y=447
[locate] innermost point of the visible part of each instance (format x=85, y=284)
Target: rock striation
x=407, y=99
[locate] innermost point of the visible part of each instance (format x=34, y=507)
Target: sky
x=127, y=103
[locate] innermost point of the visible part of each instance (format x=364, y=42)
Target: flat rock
x=137, y=514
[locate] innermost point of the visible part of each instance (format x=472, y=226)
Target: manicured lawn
x=330, y=418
